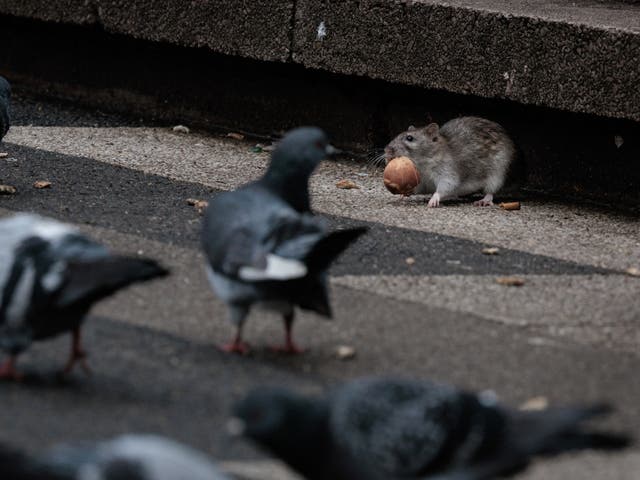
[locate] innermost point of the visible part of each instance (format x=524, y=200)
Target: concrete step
x=581, y=56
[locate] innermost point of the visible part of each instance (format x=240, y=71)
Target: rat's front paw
x=434, y=201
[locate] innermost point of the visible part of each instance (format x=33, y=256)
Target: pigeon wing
x=267, y=240
x=404, y=428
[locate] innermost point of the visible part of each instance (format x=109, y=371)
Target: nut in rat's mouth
x=401, y=176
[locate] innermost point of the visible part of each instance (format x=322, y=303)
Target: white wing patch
x=51, y=280
x=278, y=268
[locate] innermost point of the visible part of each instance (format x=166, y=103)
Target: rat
x=464, y=156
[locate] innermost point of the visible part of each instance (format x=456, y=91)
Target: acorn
x=401, y=176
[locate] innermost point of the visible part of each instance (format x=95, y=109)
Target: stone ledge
x=577, y=65
x=583, y=57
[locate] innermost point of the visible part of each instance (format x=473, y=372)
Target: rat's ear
x=432, y=130
x=411, y=128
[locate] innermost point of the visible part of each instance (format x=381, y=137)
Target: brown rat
x=464, y=156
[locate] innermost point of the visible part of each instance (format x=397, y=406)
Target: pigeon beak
x=236, y=427
x=331, y=150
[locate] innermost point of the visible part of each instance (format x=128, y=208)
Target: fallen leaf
x=181, y=129
x=235, y=136
x=7, y=190
x=618, y=140
x=410, y=260
x=346, y=184
x=40, y=184
x=633, y=271
x=510, y=206
x=4, y=154
x=535, y=404
x=345, y=352
x=510, y=281
x=200, y=205
x=490, y=251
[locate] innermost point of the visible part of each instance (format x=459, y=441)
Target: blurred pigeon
x=50, y=275
x=265, y=246
x=5, y=98
x=376, y=428
x=128, y=457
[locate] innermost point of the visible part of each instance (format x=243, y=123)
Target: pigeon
x=50, y=275
x=264, y=245
x=5, y=98
x=127, y=457
x=385, y=428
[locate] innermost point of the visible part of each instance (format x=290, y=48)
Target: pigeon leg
x=237, y=316
x=78, y=355
x=289, y=346
x=8, y=370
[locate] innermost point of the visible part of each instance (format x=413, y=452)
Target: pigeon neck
x=293, y=188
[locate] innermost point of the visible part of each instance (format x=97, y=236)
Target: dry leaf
x=510, y=206
x=510, y=281
x=181, y=129
x=200, y=205
x=633, y=271
x=4, y=154
x=42, y=184
x=7, y=190
x=235, y=136
x=346, y=184
x=490, y=251
x=345, y=352
x=535, y=403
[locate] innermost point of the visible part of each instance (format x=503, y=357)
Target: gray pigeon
x=380, y=429
x=5, y=98
x=265, y=246
x=128, y=457
x=50, y=275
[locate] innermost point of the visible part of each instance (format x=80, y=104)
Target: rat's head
x=423, y=142
x=299, y=152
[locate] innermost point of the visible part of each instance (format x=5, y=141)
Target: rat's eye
x=409, y=138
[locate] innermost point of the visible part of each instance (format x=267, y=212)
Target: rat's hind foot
x=487, y=201
x=434, y=201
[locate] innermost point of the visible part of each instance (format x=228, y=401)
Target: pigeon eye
x=409, y=138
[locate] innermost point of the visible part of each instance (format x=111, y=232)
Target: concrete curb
x=580, y=58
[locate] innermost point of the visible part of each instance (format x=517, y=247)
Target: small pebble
x=535, y=404
x=345, y=352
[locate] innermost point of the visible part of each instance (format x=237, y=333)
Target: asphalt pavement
x=417, y=296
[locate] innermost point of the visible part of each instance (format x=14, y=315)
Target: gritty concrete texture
x=541, y=53
x=80, y=12
x=249, y=28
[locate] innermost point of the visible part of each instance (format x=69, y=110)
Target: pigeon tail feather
x=557, y=430
x=330, y=247
x=92, y=280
